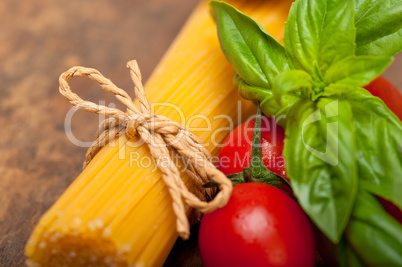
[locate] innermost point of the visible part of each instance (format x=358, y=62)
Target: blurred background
x=38, y=41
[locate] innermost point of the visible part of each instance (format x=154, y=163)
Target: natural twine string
x=157, y=132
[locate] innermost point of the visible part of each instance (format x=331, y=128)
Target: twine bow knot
x=157, y=132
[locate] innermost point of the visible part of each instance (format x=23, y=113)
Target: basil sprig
x=343, y=145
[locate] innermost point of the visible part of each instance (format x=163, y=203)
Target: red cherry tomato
x=235, y=153
x=260, y=226
x=391, y=96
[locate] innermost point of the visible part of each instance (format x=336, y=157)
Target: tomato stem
x=256, y=171
x=248, y=175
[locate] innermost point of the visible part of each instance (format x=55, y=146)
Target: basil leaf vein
x=379, y=27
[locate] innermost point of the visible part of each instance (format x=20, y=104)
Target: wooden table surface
x=38, y=41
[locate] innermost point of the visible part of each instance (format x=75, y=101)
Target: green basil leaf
x=269, y=106
x=291, y=81
x=356, y=71
x=320, y=157
x=375, y=236
x=378, y=145
x=321, y=31
x=379, y=27
x=249, y=92
x=253, y=53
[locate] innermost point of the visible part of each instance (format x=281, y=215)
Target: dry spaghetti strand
x=158, y=132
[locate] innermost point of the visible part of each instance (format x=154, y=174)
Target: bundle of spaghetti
x=118, y=212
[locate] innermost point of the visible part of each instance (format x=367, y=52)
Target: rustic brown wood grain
x=38, y=41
